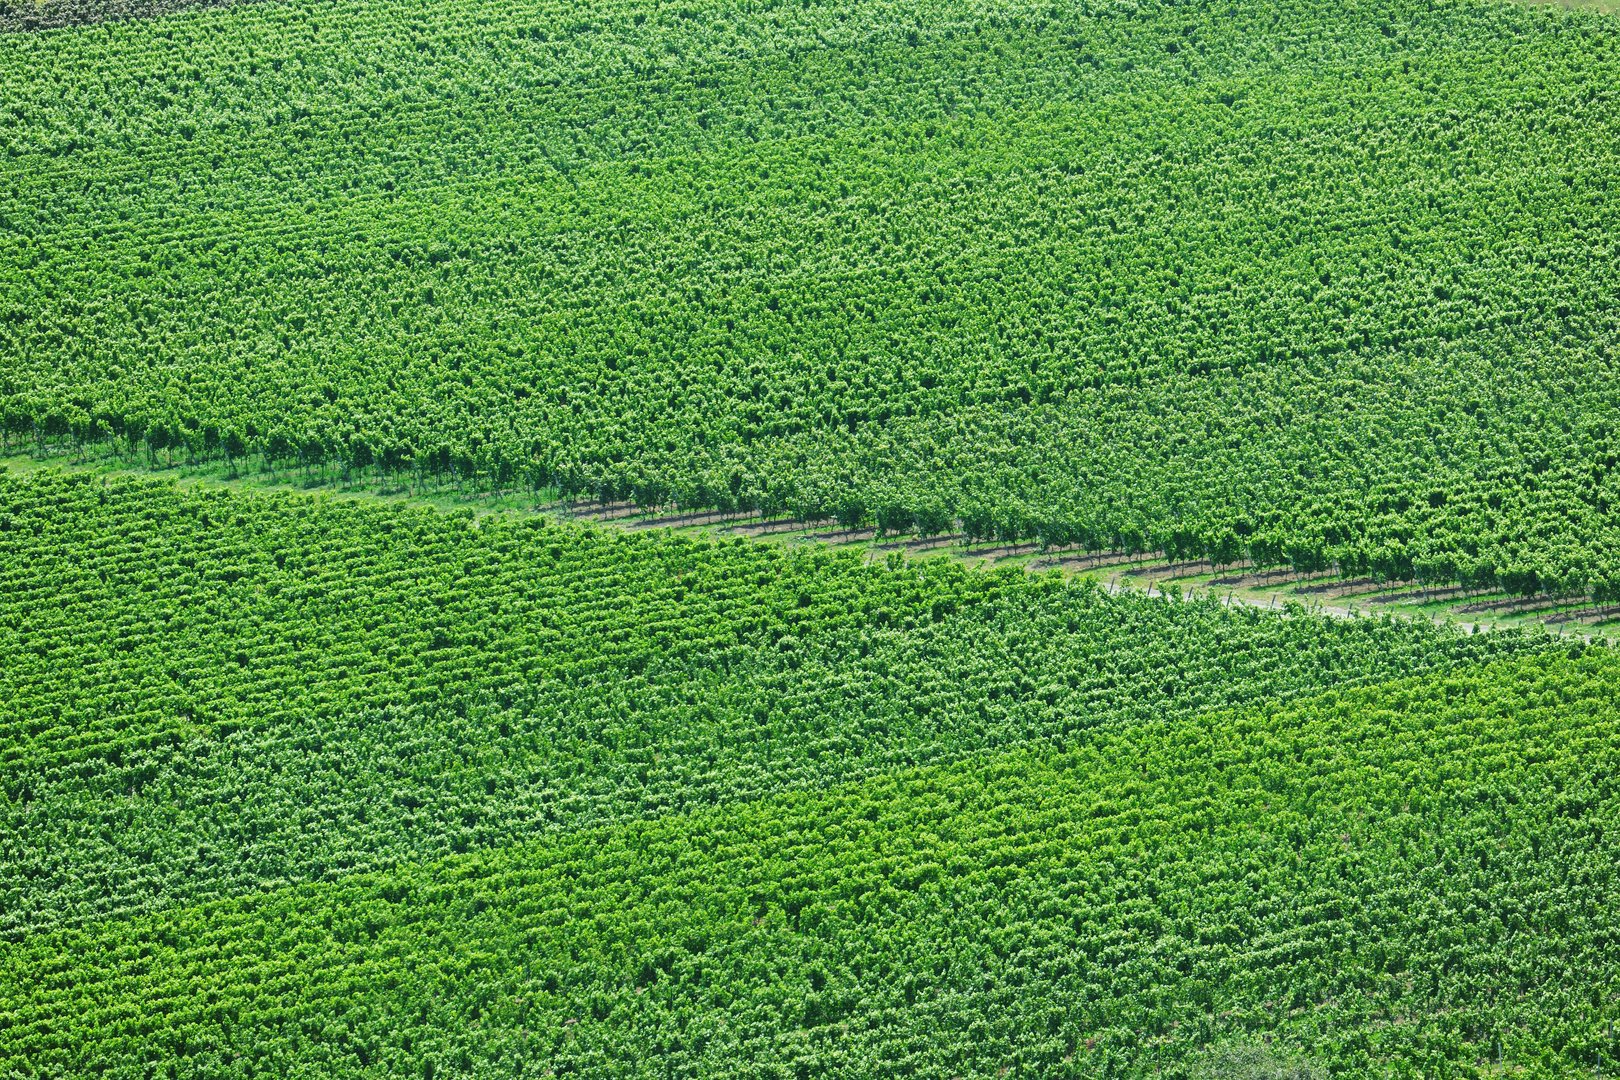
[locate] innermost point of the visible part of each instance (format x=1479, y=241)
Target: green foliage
x=1281, y=280
x=292, y=786
x=1410, y=879
x=212, y=693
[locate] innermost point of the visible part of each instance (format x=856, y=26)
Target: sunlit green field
x=782, y=539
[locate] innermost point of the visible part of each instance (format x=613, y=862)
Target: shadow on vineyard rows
x=1271, y=588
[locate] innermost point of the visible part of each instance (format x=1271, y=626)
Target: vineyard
x=1268, y=281
x=1151, y=859
x=788, y=538
x=364, y=686
x=299, y=784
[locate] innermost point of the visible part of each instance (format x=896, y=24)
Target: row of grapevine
x=1275, y=280
x=1408, y=879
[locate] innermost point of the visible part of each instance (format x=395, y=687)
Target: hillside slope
x=1284, y=280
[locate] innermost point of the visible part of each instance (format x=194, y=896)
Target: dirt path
x=1276, y=603
x=1114, y=587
